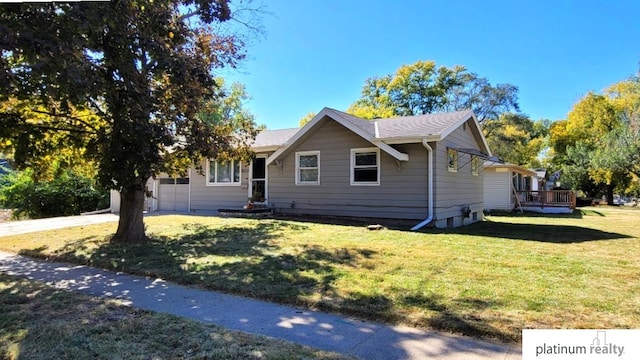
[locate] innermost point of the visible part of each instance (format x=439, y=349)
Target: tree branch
x=95, y=131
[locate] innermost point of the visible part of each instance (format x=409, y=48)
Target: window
x=174, y=181
x=475, y=165
x=223, y=173
x=452, y=160
x=308, y=168
x=365, y=166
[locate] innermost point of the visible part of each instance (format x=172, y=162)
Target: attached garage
x=173, y=194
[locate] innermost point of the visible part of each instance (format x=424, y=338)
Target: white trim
x=336, y=116
x=208, y=173
x=469, y=115
x=297, y=157
x=352, y=166
x=189, y=193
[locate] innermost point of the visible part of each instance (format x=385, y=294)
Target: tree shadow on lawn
x=439, y=315
x=234, y=259
x=242, y=260
x=576, y=214
x=558, y=234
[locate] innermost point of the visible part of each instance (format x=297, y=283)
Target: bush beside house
x=67, y=194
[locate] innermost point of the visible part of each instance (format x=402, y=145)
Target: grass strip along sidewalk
x=40, y=322
x=488, y=280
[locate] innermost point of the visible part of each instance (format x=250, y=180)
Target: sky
x=317, y=53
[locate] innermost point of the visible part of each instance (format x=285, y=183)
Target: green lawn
x=490, y=280
x=39, y=322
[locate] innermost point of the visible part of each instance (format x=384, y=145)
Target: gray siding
x=455, y=190
x=402, y=193
x=212, y=198
x=497, y=189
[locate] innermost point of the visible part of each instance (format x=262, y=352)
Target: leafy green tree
x=424, y=88
x=305, y=119
x=517, y=139
x=144, y=67
x=597, y=143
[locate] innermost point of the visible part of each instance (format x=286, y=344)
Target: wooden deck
x=547, y=200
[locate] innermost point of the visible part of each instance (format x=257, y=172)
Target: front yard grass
x=488, y=280
x=40, y=322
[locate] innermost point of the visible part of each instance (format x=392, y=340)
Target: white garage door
x=173, y=194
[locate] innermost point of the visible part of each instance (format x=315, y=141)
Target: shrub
x=67, y=194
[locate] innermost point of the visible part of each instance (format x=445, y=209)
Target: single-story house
x=425, y=169
x=502, y=182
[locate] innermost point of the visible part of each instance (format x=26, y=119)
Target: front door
x=258, y=189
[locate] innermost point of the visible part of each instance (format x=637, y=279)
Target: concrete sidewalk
x=366, y=340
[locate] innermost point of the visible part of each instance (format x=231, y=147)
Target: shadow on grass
x=242, y=260
x=558, y=234
x=454, y=318
x=576, y=214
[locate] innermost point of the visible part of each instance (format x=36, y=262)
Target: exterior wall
x=212, y=198
x=150, y=203
x=497, y=189
x=402, y=193
x=456, y=190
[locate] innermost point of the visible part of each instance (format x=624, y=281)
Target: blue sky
x=318, y=53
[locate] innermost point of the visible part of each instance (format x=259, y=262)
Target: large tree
x=598, y=142
x=423, y=88
x=144, y=67
x=517, y=139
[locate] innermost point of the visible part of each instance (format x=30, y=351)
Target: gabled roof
x=383, y=132
x=428, y=125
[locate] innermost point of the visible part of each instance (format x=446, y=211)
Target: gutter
x=430, y=184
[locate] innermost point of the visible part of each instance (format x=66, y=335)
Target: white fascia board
x=264, y=149
x=467, y=116
x=410, y=140
x=298, y=135
x=391, y=151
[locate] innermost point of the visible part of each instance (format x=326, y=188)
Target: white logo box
x=587, y=344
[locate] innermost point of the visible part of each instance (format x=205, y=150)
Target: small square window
x=365, y=166
x=308, y=168
x=452, y=160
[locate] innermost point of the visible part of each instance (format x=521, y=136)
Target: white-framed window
x=365, y=166
x=475, y=165
x=308, y=168
x=452, y=160
x=223, y=173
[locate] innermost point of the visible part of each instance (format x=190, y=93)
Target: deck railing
x=548, y=198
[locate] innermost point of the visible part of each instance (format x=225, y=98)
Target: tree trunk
x=131, y=223
x=610, y=188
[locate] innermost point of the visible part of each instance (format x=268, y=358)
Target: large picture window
x=308, y=168
x=365, y=166
x=223, y=173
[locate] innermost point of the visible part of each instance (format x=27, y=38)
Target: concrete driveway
x=29, y=226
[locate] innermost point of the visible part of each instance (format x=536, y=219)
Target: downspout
x=430, y=186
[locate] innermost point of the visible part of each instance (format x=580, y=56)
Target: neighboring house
x=540, y=181
x=425, y=169
x=502, y=182
x=509, y=186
